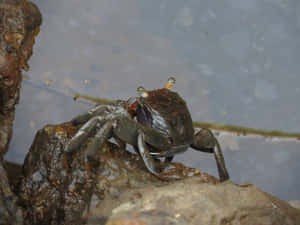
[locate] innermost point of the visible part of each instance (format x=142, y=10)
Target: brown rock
x=117, y=189
x=19, y=24
x=10, y=214
x=192, y=202
x=58, y=188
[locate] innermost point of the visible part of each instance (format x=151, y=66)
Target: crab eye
x=142, y=92
x=170, y=82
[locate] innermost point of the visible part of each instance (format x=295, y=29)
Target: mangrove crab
x=157, y=124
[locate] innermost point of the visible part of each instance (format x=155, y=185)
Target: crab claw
x=142, y=92
x=170, y=82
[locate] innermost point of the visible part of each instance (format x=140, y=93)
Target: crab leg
x=169, y=159
x=104, y=113
x=98, y=110
x=205, y=141
x=81, y=135
x=104, y=133
x=223, y=173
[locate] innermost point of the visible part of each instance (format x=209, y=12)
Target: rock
x=10, y=213
x=50, y=191
x=295, y=203
x=57, y=188
x=191, y=201
x=13, y=171
x=19, y=24
x=117, y=189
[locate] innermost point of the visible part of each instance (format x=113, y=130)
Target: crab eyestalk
x=142, y=92
x=170, y=82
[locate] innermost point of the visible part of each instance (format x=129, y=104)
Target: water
x=235, y=62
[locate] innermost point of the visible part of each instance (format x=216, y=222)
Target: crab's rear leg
x=205, y=141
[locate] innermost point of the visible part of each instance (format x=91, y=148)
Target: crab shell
x=166, y=112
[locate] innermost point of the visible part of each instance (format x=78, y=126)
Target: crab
x=157, y=124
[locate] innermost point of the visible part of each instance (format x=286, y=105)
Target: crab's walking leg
x=99, y=114
x=104, y=133
x=205, y=141
x=81, y=135
x=169, y=159
x=223, y=173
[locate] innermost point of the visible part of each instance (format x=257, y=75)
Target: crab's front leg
x=145, y=155
x=149, y=139
x=205, y=141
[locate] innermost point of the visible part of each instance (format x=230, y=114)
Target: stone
x=191, y=202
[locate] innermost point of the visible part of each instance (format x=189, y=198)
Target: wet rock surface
x=19, y=24
x=58, y=188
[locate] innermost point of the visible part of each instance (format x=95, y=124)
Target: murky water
x=235, y=62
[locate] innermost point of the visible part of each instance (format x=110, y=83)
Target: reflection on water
x=235, y=62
